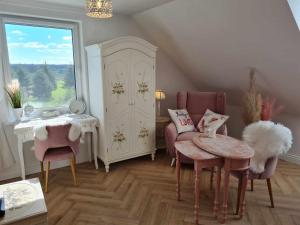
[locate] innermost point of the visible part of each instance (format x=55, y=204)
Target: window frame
x=40, y=22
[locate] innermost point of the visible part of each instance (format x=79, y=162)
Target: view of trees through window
x=41, y=58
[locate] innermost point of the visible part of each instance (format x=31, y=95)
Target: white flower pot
x=18, y=113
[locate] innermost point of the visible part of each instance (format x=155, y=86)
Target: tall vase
x=18, y=113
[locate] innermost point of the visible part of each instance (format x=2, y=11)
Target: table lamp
x=159, y=95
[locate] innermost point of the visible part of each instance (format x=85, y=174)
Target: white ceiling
x=216, y=42
x=127, y=7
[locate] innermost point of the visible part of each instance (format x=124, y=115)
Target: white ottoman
x=24, y=203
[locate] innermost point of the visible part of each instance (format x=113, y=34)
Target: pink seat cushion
x=186, y=136
x=56, y=154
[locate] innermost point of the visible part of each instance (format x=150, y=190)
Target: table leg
x=211, y=178
x=21, y=156
x=178, y=165
x=225, y=194
x=243, y=192
x=217, y=191
x=239, y=195
x=198, y=171
x=90, y=141
x=95, y=145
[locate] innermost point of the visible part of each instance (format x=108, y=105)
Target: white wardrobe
x=122, y=96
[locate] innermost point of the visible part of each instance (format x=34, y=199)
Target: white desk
x=24, y=132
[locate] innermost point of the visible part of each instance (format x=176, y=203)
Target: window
x=42, y=57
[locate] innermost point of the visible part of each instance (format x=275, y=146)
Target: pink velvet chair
x=57, y=147
x=270, y=168
x=196, y=104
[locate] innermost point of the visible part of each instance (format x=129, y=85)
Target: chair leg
x=270, y=192
x=47, y=176
x=42, y=171
x=173, y=162
x=252, y=185
x=212, y=177
x=73, y=168
x=238, y=196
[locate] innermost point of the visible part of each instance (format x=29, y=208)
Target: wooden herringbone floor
x=142, y=192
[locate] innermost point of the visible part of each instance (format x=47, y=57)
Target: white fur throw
x=268, y=140
x=41, y=132
x=74, y=132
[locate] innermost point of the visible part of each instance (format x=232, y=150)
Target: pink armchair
x=196, y=104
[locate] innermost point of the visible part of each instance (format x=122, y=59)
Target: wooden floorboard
x=143, y=192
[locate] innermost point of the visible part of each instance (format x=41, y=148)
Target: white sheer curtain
x=6, y=156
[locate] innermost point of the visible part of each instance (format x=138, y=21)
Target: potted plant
x=252, y=104
x=15, y=97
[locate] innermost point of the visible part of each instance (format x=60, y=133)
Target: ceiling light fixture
x=101, y=9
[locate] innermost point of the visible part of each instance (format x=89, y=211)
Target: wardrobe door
x=117, y=79
x=143, y=89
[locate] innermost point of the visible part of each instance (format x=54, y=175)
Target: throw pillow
x=211, y=122
x=182, y=120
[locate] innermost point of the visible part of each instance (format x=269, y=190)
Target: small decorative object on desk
x=50, y=113
x=28, y=109
x=15, y=97
x=77, y=107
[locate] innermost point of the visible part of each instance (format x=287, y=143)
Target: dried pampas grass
x=252, y=102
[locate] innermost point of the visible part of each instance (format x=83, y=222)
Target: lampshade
x=160, y=95
x=99, y=8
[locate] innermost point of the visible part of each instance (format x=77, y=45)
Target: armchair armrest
x=170, y=138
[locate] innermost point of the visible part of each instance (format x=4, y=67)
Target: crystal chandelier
x=99, y=8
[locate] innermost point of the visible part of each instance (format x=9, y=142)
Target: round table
x=237, y=155
x=202, y=159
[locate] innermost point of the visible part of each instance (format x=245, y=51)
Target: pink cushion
x=186, y=136
x=182, y=120
x=211, y=122
x=57, y=154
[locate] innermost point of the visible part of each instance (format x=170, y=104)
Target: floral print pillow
x=211, y=122
x=182, y=120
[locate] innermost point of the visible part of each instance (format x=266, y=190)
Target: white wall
x=169, y=77
x=292, y=122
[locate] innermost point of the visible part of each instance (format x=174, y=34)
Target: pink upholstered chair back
x=57, y=138
x=196, y=103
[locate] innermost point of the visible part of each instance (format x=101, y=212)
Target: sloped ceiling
x=126, y=7
x=216, y=42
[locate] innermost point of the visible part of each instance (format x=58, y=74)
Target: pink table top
x=224, y=146
x=190, y=150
